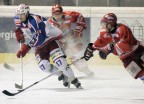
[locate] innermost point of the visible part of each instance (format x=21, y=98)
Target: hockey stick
x=21, y=66
x=9, y=67
x=21, y=86
x=13, y=94
x=76, y=60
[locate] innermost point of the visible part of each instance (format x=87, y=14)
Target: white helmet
x=22, y=8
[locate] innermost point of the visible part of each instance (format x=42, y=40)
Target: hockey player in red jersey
x=118, y=39
x=43, y=37
x=72, y=25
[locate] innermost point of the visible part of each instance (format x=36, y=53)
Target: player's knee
x=57, y=53
x=45, y=66
x=61, y=63
x=134, y=69
x=58, y=57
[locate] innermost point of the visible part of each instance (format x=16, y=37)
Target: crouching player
x=118, y=39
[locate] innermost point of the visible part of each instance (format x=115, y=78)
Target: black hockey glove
x=103, y=52
x=88, y=52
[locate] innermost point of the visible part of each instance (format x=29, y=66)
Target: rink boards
x=11, y=58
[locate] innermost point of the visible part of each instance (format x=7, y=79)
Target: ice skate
x=76, y=83
x=61, y=77
x=65, y=80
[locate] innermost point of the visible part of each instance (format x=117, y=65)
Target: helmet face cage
x=22, y=8
x=110, y=18
x=57, y=9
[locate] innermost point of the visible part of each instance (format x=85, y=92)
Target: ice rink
x=111, y=85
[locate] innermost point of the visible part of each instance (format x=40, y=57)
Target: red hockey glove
x=22, y=52
x=103, y=52
x=19, y=35
x=88, y=52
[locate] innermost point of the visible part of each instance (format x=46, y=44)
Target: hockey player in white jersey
x=43, y=36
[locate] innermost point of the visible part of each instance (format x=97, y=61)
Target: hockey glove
x=24, y=49
x=19, y=35
x=103, y=52
x=88, y=52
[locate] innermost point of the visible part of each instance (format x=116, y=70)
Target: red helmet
x=110, y=18
x=57, y=9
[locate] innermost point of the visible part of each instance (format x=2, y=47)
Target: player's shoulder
x=32, y=17
x=122, y=26
x=70, y=13
x=36, y=18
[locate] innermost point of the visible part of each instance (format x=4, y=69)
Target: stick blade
x=18, y=86
x=8, y=67
x=8, y=93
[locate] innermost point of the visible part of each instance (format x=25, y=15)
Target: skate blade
x=80, y=87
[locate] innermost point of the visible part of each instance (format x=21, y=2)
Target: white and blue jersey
x=38, y=30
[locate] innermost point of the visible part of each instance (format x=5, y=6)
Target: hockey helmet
x=22, y=8
x=57, y=9
x=110, y=18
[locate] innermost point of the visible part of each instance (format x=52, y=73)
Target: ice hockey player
x=72, y=25
x=118, y=39
x=43, y=36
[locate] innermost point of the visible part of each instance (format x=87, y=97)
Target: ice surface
x=111, y=85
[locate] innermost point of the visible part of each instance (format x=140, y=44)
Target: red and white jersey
x=70, y=20
x=124, y=41
x=72, y=26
